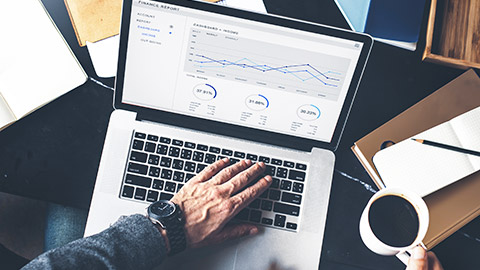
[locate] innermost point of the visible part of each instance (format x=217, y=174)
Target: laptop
x=197, y=82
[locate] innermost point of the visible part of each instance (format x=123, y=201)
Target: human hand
x=213, y=197
x=422, y=260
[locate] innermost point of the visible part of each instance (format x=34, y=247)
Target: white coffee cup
x=377, y=246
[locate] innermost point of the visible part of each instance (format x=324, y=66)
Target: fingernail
x=225, y=159
x=261, y=164
x=268, y=178
x=248, y=162
x=419, y=253
x=253, y=231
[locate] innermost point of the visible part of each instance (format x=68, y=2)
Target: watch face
x=162, y=208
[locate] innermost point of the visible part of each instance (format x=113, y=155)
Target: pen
x=449, y=147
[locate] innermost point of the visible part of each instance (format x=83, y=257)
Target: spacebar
x=286, y=209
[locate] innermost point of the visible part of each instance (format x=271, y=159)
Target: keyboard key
x=162, y=149
x=153, y=159
x=189, y=176
x=267, y=221
x=174, y=151
x=239, y=154
x=165, y=196
x=154, y=171
x=190, y=145
x=264, y=159
x=177, y=164
x=165, y=140
x=243, y=215
x=292, y=226
x=152, y=196
x=166, y=174
x=280, y=220
x=140, y=135
x=140, y=194
x=178, y=176
x=288, y=164
x=158, y=184
x=152, y=138
x=291, y=198
x=137, y=145
x=267, y=205
x=286, y=209
x=186, y=154
x=296, y=175
x=150, y=147
x=297, y=187
x=227, y=152
x=270, y=170
x=282, y=172
x=214, y=150
x=275, y=183
x=177, y=142
x=286, y=185
x=202, y=147
x=252, y=157
x=255, y=204
x=137, y=168
x=234, y=160
x=264, y=195
x=166, y=162
x=274, y=194
x=198, y=156
x=189, y=166
x=179, y=186
x=138, y=156
x=255, y=216
x=300, y=166
x=220, y=157
x=170, y=186
x=128, y=191
x=210, y=158
x=200, y=167
x=276, y=161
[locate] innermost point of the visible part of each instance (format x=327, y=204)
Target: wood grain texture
x=460, y=38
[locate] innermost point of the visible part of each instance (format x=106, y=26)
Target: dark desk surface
x=53, y=154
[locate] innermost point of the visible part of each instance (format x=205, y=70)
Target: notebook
x=425, y=169
x=197, y=82
x=36, y=63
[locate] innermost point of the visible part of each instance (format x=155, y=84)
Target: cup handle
x=403, y=257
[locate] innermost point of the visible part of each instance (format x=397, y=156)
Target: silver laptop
x=197, y=82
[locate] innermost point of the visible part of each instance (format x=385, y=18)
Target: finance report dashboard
x=237, y=71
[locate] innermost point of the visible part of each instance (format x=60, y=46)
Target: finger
x=233, y=231
x=229, y=172
x=210, y=171
x=244, y=198
x=418, y=260
x=238, y=182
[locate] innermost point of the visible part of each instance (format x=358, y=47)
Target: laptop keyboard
x=158, y=167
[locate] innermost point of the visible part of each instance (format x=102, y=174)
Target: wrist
x=163, y=233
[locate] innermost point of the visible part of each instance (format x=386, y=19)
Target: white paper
x=36, y=64
x=6, y=115
x=424, y=168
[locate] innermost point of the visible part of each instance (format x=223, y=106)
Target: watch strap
x=176, y=238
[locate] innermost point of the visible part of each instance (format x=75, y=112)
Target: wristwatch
x=170, y=217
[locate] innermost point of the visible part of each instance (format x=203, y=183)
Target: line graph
x=266, y=64
x=294, y=70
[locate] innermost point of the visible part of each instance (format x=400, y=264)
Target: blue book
x=387, y=20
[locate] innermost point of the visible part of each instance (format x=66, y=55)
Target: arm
x=208, y=202
x=133, y=242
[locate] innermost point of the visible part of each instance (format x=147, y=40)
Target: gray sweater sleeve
x=133, y=242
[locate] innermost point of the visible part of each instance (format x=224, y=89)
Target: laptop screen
x=237, y=71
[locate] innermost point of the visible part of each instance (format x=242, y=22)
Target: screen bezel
x=234, y=130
